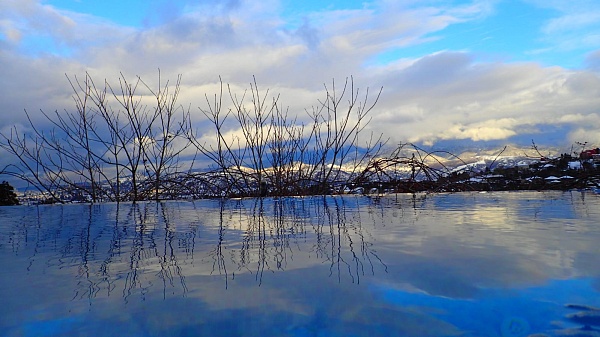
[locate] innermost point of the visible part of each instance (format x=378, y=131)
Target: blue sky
x=509, y=33
x=508, y=30
x=465, y=72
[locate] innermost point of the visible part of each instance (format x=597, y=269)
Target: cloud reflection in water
x=423, y=265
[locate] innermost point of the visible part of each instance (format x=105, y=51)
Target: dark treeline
x=8, y=197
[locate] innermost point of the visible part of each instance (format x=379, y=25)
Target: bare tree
x=169, y=124
x=292, y=158
x=113, y=135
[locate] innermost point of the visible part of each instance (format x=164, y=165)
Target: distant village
x=546, y=173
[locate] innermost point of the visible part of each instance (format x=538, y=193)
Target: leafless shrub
x=409, y=166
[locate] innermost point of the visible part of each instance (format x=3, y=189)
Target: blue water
x=467, y=264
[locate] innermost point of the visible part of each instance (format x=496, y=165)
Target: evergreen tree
x=7, y=195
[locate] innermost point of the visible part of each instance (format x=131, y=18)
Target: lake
x=465, y=264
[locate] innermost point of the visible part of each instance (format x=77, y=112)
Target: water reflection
x=131, y=248
x=496, y=264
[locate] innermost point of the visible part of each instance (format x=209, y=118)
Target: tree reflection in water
x=272, y=230
x=141, y=248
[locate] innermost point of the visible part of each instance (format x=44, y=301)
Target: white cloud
x=589, y=135
x=450, y=96
x=572, y=22
x=574, y=25
x=441, y=96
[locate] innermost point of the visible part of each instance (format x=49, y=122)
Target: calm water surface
x=473, y=264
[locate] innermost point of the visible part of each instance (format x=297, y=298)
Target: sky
x=453, y=73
